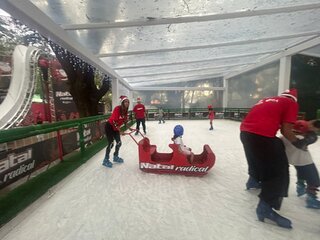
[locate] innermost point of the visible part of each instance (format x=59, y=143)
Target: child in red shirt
x=211, y=116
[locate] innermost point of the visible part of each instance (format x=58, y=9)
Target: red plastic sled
x=176, y=162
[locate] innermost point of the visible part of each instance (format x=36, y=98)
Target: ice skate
x=252, y=183
x=264, y=211
x=312, y=201
x=117, y=159
x=301, y=188
x=106, y=162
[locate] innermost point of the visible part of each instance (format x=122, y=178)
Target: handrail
x=23, y=132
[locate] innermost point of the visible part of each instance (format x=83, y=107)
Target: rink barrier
x=198, y=113
x=19, y=195
x=237, y=114
x=27, y=149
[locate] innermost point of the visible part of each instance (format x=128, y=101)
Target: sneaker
x=107, y=163
x=211, y=128
x=312, y=202
x=136, y=133
x=145, y=132
x=117, y=159
x=252, y=183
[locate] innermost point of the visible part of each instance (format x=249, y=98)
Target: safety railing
x=198, y=113
x=28, y=149
x=237, y=114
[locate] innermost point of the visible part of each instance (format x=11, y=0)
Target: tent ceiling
x=144, y=42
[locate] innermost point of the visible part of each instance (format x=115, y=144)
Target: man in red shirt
x=140, y=115
x=267, y=161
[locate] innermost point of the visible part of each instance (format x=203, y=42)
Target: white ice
x=124, y=203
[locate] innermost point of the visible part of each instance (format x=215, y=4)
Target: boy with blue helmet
x=177, y=139
x=178, y=131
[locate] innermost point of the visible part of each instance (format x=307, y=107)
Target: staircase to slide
x=17, y=102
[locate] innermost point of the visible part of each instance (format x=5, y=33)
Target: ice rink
x=124, y=203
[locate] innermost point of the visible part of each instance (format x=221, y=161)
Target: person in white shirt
x=177, y=139
x=308, y=180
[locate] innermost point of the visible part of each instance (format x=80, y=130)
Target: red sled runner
x=151, y=161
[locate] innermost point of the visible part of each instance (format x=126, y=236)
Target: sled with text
x=152, y=161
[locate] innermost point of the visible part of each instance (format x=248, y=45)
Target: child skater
x=302, y=160
x=118, y=117
x=177, y=139
x=211, y=116
x=161, y=115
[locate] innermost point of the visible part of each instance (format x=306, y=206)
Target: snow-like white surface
x=124, y=203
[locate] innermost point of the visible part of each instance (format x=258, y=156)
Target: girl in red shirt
x=211, y=116
x=118, y=117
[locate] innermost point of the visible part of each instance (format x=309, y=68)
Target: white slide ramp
x=18, y=100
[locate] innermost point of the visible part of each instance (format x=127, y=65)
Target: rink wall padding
x=21, y=197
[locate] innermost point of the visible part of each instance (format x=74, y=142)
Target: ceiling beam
x=179, y=89
x=186, y=71
x=223, y=44
x=287, y=52
x=149, y=21
x=26, y=12
x=176, y=80
x=192, y=77
x=177, y=73
x=311, y=54
x=197, y=61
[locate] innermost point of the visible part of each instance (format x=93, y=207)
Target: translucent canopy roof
x=143, y=42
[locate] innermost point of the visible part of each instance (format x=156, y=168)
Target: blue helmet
x=178, y=130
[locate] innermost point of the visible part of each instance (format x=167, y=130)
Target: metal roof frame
x=136, y=41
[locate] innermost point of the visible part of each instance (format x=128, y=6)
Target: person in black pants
x=268, y=165
x=118, y=117
x=140, y=115
x=308, y=180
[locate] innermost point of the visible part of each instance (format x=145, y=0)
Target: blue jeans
x=309, y=173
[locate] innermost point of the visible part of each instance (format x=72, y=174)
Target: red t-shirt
x=211, y=114
x=139, y=111
x=116, y=119
x=266, y=116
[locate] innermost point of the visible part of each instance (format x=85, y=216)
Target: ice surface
x=124, y=203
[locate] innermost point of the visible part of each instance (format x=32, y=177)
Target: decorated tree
x=86, y=85
x=85, y=90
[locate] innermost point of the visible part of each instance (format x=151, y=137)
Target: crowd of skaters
x=268, y=156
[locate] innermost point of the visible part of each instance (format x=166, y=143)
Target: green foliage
x=87, y=86
x=13, y=32
x=305, y=76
